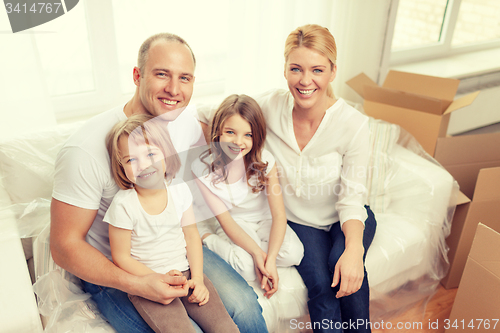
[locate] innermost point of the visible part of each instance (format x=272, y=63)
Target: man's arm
x=69, y=226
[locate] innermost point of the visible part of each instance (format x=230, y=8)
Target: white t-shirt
x=157, y=241
x=238, y=197
x=83, y=173
x=326, y=181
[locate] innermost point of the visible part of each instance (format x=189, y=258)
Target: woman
x=321, y=146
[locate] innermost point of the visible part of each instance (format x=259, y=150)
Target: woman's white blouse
x=326, y=181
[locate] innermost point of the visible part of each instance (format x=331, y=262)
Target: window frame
x=107, y=91
x=439, y=49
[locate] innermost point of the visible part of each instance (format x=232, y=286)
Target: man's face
x=166, y=81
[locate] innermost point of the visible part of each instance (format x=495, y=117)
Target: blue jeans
x=238, y=297
x=322, y=250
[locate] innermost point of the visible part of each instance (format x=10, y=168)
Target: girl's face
x=236, y=138
x=144, y=164
x=308, y=74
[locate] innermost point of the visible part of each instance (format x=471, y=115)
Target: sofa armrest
x=18, y=308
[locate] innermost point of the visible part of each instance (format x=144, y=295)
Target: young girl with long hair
x=322, y=146
x=152, y=229
x=239, y=180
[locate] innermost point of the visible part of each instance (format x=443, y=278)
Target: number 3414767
x=35, y=8
x=485, y=324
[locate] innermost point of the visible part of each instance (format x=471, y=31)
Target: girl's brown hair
x=249, y=110
x=316, y=38
x=142, y=129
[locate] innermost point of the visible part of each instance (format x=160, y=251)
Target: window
x=210, y=59
x=428, y=29
x=87, y=55
x=67, y=68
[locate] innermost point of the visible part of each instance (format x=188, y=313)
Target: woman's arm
x=195, y=257
x=350, y=264
x=119, y=240
x=353, y=177
x=352, y=212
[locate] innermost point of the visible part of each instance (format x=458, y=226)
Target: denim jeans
x=238, y=297
x=322, y=250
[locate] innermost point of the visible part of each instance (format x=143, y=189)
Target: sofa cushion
x=27, y=163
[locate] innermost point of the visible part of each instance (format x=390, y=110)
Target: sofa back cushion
x=27, y=163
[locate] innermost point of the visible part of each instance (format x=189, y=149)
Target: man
x=84, y=188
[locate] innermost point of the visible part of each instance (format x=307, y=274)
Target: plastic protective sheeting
x=409, y=249
x=412, y=196
x=288, y=303
x=66, y=308
x=31, y=217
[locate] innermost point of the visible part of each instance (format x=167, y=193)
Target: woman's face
x=308, y=74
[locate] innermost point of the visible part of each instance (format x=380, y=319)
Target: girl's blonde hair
x=316, y=38
x=249, y=110
x=142, y=129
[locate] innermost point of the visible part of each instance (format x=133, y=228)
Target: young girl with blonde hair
x=239, y=181
x=152, y=229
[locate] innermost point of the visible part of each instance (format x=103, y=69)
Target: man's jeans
x=322, y=250
x=238, y=297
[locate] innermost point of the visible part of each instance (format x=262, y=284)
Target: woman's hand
x=273, y=279
x=350, y=271
x=200, y=293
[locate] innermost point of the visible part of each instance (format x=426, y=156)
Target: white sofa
x=412, y=196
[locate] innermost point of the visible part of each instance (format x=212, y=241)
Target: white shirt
x=83, y=173
x=238, y=197
x=157, y=241
x=326, y=181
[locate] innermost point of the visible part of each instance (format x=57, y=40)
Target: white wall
x=24, y=105
x=485, y=110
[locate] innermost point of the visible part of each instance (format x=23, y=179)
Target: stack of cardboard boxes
x=477, y=304
x=422, y=105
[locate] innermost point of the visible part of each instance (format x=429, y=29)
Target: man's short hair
x=165, y=36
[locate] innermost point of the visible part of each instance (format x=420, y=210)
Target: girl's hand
x=259, y=260
x=273, y=278
x=350, y=271
x=200, y=292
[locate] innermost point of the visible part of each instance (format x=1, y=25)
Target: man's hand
x=200, y=293
x=163, y=288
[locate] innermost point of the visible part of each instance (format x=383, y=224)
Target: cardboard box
x=469, y=160
x=420, y=104
x=477, y=304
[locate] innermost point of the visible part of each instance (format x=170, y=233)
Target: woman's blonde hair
x=316, y=38
x=142, y=129
x=249, y=110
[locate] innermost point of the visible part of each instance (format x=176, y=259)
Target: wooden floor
x=438, y=309
x=415, y=319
